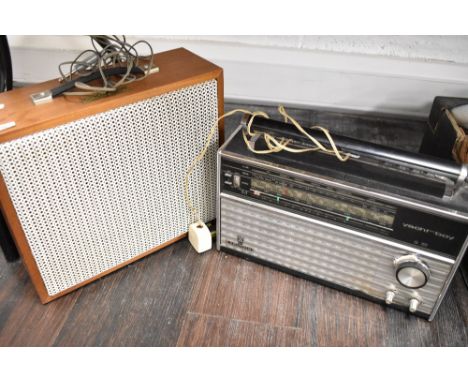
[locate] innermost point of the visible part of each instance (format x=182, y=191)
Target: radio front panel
x=320, y=251
x=388, y=244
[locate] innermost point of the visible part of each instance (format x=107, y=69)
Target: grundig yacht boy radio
x=387, y=224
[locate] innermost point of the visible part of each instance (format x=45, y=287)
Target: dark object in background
x=6, y=242
x=445, y=138
x=6, y=83
x=441, y=140
x=6, y=75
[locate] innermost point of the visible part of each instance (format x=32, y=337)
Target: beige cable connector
x=200, y=237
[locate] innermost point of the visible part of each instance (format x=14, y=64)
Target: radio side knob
x=411, y=272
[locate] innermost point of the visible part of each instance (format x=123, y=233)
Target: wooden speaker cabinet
x=89, y=186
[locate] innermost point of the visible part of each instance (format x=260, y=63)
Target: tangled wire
x=116, y=61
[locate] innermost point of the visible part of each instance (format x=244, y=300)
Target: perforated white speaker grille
x=99, y=191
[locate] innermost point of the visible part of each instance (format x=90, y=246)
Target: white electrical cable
x=274, y=145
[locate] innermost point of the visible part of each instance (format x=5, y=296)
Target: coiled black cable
x=6, y=83
x=6, y=72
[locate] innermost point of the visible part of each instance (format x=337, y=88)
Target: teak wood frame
x=178, y=68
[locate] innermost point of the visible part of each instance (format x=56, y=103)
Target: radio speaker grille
x=102, y=190
x=325, y=253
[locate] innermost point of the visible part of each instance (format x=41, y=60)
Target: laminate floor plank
x=206, y=330
x=336, y=318
x=141, y=305
x=237, y=289
x=24, y=321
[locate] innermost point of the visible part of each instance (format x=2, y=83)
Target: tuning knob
x=411, y=272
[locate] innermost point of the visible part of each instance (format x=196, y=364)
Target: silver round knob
x=411, y=272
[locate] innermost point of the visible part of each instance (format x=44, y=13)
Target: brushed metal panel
x=320, y=251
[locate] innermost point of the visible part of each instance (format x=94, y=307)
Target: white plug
x=200, y=237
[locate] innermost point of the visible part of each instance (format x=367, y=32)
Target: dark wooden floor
x=177, y=297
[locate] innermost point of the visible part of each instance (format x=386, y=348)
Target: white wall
x=396, y=74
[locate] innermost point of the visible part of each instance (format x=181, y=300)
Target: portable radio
x=387, y=224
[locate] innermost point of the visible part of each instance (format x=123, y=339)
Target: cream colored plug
x=200, y=237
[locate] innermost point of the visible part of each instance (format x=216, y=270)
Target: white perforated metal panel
x=96, y=192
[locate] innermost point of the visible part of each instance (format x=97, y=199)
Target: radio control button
x=389, y=297
x=411, y=272
x=236, y=180
x=413, y=305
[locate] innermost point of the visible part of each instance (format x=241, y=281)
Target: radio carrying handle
x=354, y=146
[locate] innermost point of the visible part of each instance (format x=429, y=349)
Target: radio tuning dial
x=411, y=272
